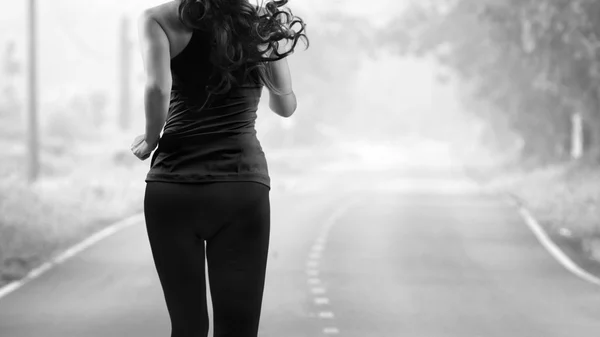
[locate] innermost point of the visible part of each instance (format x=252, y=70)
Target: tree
x=535, y=61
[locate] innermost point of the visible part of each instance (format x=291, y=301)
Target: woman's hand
x=141, y=148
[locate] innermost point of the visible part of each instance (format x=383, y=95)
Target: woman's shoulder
x=166, y=14
x=158, y=11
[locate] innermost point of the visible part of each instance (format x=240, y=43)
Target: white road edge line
x=546, y=242
x=69, y=253
x=553, y=248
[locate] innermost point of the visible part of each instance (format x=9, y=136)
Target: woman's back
x=207, y=137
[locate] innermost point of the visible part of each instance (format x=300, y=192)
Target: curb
x=70, y=252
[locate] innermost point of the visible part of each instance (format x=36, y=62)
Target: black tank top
x=214, y=143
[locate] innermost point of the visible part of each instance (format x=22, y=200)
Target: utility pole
x=32, y=97
x=124, y=75
x=576, y=136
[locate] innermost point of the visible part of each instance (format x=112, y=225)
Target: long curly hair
x=244, y=36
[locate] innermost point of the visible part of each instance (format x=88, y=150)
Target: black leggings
x=234, y=220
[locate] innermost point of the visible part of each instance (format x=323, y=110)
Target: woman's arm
x=283, y=104
x=154, y=46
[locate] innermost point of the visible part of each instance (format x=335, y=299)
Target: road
x=355, y=254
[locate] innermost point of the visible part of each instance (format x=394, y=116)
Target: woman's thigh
x=237, y=259
x=178, y=255
x=234, y=219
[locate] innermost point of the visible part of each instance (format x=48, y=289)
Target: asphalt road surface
x=359, y=254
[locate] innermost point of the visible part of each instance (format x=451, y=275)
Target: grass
x=82, y=188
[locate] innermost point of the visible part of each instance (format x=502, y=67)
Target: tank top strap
x=192, y=45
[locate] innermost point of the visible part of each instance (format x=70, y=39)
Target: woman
x=206, y=63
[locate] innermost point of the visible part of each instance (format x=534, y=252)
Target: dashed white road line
x=326, y=314
x=331, y=331
x=314, y=281
x=312, y=267
x=321, y=300
x=312, y=272
x=318, y=290
x=318, y=247
x=69, y=253
x=312, y=264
